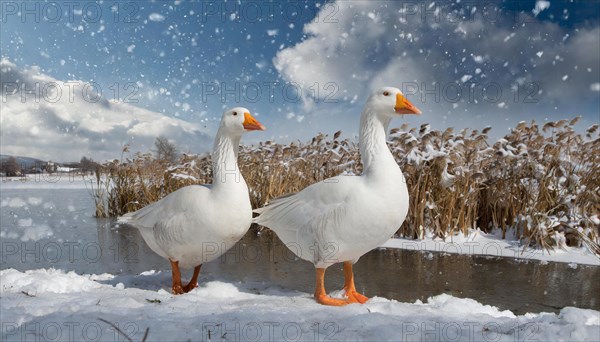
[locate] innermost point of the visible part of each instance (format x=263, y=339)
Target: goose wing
x=167, y=223
x=319, y=221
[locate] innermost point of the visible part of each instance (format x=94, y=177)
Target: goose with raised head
x=198, y=223
x=342, y=218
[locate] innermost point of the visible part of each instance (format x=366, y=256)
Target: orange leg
x=320, y=293
x=194, y=282
x=353, y=296
x=177, y=289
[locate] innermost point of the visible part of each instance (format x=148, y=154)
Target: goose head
x=391, y=102
x=238, y=120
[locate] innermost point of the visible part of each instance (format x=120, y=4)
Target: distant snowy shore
x=492, y=244
x=49, y=304
x=48, y=181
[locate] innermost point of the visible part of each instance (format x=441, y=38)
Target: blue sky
x=193, y=43
x=171, y=54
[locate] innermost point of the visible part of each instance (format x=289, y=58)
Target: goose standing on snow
x=342, y=218
x=198, y=223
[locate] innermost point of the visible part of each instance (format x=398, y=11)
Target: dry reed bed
x=540, y=183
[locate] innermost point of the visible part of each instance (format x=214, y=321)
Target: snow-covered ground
x=49, y=304
x=492, y=244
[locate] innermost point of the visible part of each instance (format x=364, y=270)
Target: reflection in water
x=86, y=245
x=124, y=251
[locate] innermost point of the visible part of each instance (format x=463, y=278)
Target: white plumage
x=342, y=218
x=195, y=224
x=339, y=219
x=198, y=223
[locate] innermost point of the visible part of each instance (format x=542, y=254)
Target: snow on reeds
x=540, y=183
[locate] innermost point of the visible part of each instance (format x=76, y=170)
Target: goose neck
x=225, y=155
x=372, y=140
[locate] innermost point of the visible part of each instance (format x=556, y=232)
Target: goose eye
x=234, y=113
x=386, y=93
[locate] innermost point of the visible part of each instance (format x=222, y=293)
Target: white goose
x=198, y=223
x=342, y=218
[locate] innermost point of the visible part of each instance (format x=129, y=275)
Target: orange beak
x=251, y=124
x=403, y=106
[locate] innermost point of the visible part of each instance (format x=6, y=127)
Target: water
x=43, y=228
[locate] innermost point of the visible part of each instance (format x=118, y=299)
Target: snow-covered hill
x=24, y=162
x=50, y=119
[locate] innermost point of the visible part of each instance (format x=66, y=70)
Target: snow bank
x=492, y=244
x=54, y=305
x=47, y=281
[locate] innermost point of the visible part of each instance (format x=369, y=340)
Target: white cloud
x=64, y=125
x=435, y=51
